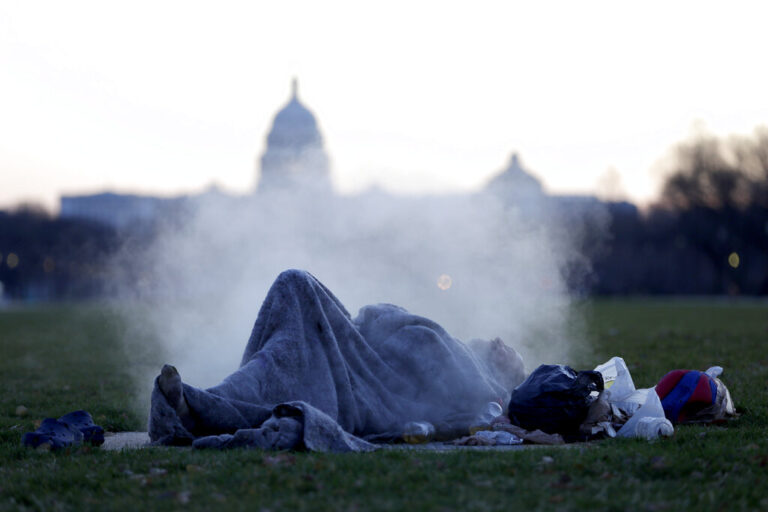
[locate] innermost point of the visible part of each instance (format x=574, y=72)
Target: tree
x=718, y=190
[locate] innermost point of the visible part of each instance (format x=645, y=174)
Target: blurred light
x=48, y=265
x=444, y=282
x=12, y=260
x=734, y=260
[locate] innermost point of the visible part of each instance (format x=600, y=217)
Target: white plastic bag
x=620, y=390
x=642, y=406
x=649, y=420
x=617, y=379
x=630, y=403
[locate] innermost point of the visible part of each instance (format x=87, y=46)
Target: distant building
x=295, y=161
x=294, y=158
x=514, y=181
x=117, y=210
x=516, y=187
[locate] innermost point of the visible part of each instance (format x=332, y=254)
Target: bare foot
x=170, y=385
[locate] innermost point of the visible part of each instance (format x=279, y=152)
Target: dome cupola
x=294, y=125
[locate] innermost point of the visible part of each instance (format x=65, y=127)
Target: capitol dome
x=294, y=157
x=294, y=125
x=515, y=181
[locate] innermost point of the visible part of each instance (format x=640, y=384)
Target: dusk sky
x=414, y=97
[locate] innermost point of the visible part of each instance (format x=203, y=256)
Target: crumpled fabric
x=370, y=376
x=71, y=429
x=691, y=396
x=292, y=426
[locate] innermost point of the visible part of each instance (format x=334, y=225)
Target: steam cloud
x=478, y=268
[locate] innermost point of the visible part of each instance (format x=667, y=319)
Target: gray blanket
x=341, y=382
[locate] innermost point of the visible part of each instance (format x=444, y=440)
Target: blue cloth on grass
x=71, y=429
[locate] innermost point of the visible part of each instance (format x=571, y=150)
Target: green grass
x=57, y=359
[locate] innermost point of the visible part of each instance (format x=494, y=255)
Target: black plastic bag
x=554, y=399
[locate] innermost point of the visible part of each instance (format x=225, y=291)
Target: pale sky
x=415, y=97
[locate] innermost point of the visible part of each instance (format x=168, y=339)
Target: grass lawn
x=60, y=358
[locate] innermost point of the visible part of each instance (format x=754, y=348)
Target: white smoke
x=478, y=268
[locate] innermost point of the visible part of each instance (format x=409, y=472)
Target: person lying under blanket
x=312, y=377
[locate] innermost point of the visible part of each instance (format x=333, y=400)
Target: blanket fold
x=292, y=426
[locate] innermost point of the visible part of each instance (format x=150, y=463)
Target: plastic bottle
x=651, y=415
x=483, y=421
x=653, y=428
x=417, y=432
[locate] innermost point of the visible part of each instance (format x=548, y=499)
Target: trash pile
x=557, y=405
